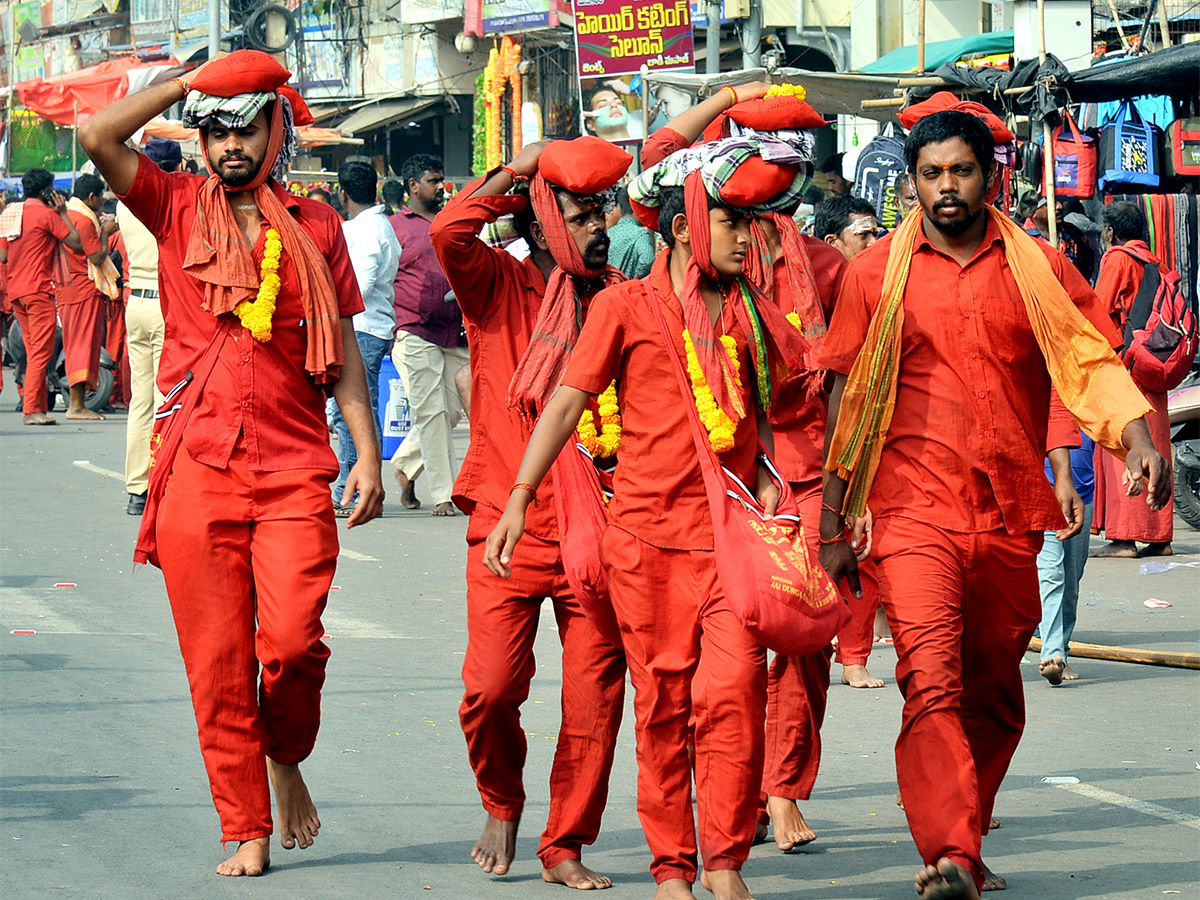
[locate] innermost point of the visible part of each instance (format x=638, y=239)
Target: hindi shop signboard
x=618, y=37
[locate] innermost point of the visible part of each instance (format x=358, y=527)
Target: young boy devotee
x=518, y=315
x=939, y=414
x=258, y=295
x=800, y=274
x=690, y=658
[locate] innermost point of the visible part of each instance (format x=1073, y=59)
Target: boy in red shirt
x=690, y=658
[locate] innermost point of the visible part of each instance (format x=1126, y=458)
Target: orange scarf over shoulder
x=1087, y=374
x=219, y=255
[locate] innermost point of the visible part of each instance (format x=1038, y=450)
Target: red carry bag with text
x=1074, y=161
x=774, y=584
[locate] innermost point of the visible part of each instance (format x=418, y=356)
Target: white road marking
x=107, y=473
x=341, y=624
x=22, y=610
x=1150, y=809
x=357, y=557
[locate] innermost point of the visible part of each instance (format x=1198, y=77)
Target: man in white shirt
x=145, y=329
x=375, y=255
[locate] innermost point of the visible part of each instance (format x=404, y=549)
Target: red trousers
x=39, y=323
x=244, y=598
x=502, y=616
x=797, y=688
x=116, y=345
x=1124, y=518
x=690, y=659
x=858, y=636
x=962, y=608
x=83, y=334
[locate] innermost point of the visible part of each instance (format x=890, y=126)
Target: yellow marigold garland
x=720, y=427
x=787, y=90
x=794, y=318
x=256, y=315
x=602, y=444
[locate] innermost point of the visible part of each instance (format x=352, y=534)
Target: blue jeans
x=372, y=349
x=1060, y=569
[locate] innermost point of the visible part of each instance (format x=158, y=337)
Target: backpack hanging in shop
x=1130, y=152
x=1074, y=160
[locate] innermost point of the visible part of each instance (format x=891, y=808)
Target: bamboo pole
x=1112, y=7
x=1047, y=139
x=921, y=36
x=1173, y=659
x=1164, y=25
x=75, y=146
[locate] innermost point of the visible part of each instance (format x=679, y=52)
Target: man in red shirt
x=31, y=255
x=948, y=452
x=258, y=294
x=91, y=283
x=1125, y=520
x=501, y=299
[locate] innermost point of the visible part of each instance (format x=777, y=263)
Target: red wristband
x=526, y=486
x=837, y=540
x=517, y=179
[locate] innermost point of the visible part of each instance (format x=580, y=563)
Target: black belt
x=147, y=293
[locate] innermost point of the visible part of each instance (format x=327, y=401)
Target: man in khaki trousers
x=145, y=329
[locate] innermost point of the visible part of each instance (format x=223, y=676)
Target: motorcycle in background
x=1183, y=409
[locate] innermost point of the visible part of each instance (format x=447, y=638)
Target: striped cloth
x=238, y=111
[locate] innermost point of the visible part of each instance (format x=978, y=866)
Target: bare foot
x=1160, y=549
x=993, y=824
x=84, y=413
x=882, y=629
x=575, y=874
x=297, y=814
x=859, y=677
x=40, y=419
x=1069, y=674
x=444, y=509
x=408, y=493
x=674, y=889
x=1116, y=550
x=899, y=800
x=791, y=830
x=496, y=847
x=250, y=858
x=992, y=881
x=945, y=881
x=760, y=833
x=1052, y=669
x=725, y=884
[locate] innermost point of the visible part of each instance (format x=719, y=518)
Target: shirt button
x=245, y=359
x=974, y=355
x=982, y=394
x=246, y=403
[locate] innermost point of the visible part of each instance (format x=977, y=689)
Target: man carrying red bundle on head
x=522, y=319
x=258, y=295
x=801, y=275
x=691, y=658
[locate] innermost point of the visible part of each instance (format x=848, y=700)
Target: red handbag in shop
x=1074, y=160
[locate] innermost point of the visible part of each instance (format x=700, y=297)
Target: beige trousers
x=144, y=324
x=428, y=373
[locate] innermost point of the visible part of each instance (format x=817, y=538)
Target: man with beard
x=939, y=414
x=519, y=316
x=430, y=346
x=258, y=295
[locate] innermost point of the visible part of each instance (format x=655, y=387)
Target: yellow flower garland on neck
x=256, y=315
x=794, y=318
x=604, y=444
x=720, y=427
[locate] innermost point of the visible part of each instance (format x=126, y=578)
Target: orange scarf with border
x=1090, y=379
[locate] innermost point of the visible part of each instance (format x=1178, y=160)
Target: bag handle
x=1075, y=135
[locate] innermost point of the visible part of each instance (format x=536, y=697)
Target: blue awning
x=904, y=59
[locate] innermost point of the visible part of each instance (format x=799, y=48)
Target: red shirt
x=421, y=287
x=258, y=390
x=79, y=287
x=1120, y=277
x=967, y=439
x=32, y=255
x=797, y=421
x=658, y=490
x=500, y=298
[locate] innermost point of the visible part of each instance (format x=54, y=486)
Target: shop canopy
x=381, y=112
x=87, y=91
x=904, y=59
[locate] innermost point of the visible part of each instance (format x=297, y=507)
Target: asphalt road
x=103, y=794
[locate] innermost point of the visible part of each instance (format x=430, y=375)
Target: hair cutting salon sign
x=619, y=38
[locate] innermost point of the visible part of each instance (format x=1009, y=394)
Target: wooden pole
x=1112, y=7
x=1175, y=660
x=1047, y=140
x=1164, y=24
x=75, y=145
x=921, y=36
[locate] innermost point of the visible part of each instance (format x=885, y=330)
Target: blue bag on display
x=1130, y=153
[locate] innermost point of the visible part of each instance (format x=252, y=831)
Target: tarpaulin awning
x=904, y=59
x=89, y=90
x=387, y=111
x=306, y=135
